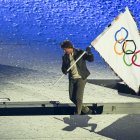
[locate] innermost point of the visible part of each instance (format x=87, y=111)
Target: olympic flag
x=119, y=46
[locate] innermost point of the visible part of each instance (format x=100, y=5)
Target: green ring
x=127, y=54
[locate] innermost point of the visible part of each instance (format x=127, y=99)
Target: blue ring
x=118, y=32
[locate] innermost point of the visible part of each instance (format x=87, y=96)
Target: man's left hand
x=88, y=50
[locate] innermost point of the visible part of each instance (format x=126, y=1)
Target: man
x=77, y=75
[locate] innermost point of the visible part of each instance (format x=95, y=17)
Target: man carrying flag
x=77, y=74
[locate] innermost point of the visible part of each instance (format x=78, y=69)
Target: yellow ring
x=120, y=53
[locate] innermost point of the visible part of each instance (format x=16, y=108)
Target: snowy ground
x=34, y=82
x=97, y=127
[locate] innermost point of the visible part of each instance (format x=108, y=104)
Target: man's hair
x=66, y=44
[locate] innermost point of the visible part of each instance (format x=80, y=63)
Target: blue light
x=55, y=20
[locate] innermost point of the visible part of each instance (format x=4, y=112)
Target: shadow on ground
x=75, y=121
x=125, y=128
x=116, y=84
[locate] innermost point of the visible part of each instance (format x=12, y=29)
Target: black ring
x=126, y=49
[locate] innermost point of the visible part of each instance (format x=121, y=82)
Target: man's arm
x=65, y=64
x=88, y=55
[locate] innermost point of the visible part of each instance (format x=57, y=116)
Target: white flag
x=119, y=45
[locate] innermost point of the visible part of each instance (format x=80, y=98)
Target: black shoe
x=89, y=112
x=76, y=113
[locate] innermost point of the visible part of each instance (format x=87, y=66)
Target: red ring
x=133, y=61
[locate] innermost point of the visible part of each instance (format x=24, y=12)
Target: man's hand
x=64, y=72
x=88, y=50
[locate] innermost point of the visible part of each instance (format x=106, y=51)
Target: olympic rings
x=130, y=52
x=122, y=28
x=138, y=65
x=124, y=51
x=125, y=55
x=119, y=53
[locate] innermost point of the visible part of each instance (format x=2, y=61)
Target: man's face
x=68, y=50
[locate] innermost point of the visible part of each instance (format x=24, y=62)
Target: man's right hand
x=64, y=71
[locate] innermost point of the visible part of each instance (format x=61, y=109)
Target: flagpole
x=71, y=66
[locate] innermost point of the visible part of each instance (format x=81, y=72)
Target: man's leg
x=72, y=89
x=80, y=85
x=76, y=91
x=80, y=93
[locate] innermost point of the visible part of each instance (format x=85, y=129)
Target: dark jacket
x=81, y=64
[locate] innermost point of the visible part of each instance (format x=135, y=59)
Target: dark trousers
x=76, y=92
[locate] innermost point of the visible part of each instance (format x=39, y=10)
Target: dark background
x=31, y=30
